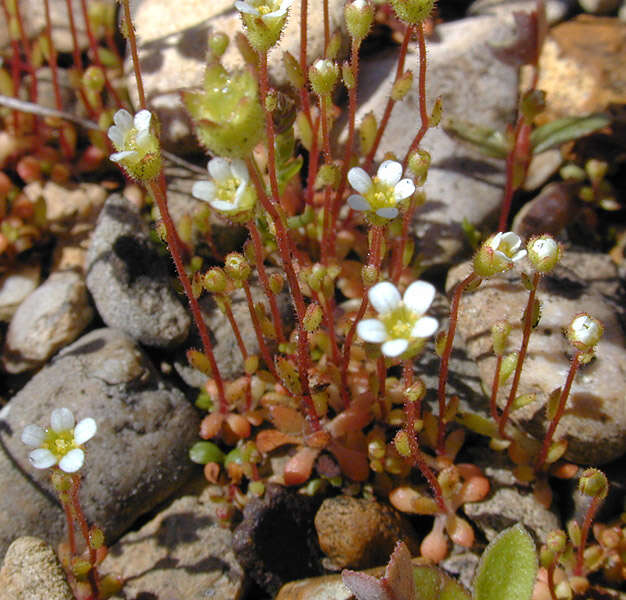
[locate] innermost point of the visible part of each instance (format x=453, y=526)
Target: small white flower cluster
x=381, y=195
x=130, y=132
x=401, y=319
x=61, y=443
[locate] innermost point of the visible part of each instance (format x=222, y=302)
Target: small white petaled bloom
x=137, y=148
x=60, y=443
x=498, y=254
x=266, y=9
x=230, y=191
x=585, y=332
x=401, y=320
x=381, y=195
x=543, y=253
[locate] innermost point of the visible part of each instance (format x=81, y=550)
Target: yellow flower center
x=380, y=195
x=59, y=443
x=265, y=8
x=227, y=189
x=399, y=322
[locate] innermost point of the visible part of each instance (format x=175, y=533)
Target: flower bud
x=218, y=42
x=237, y=267
x=264, y=21
x=593, y=482
x=401, y=442
x=369, y=275
x=214, y=280
x=544, y=253
x=556, y=540
x=412, y=11
x=359, y=16
x=585, y=332
x=419, y=163
x=323, y=75
x=96, y=538
x=93, y=78
x=276, y=282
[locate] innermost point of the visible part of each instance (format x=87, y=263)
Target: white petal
x=371, y=330
x=246, y=8
x=84, y=431
x=512, y=240
x=143, y=137
x=405, y=188
x=359, y=180
x=419, y=296
x=41, y=458
x=239, y=169
x=495, y=240
x=239, y=193
x=62, y=419
x=203, y=190
x=142, y=120
x=119, y=156
x=116, y=135
x=394, y=348
x=384, y=297
x=521, y=254
x=387, y=212
x=357, y=202
x=33, y=436
x=72, y=461
x=123, y=119
x=285, y=4
x=390, y=172
x=277, y=13
x=425, y=327
x=222, y=205
x=219, y=168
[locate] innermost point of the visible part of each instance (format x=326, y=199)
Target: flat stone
x=182, y=552
x=136, y=460
x=473, y=85
x=15, y=286
x=173, y=46
x=32, y=571
x=130, y=281
x=594, y=423
x=54, y=315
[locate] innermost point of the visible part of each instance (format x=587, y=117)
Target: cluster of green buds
x=227, y=114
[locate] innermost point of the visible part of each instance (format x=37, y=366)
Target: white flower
x=382, y=194
x=585, y=331
x=266, y=9
x=400, y=320
x=230, y=191
x=130, y=136
x=61, y=443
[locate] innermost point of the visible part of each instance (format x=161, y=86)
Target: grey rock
x=473, y=85
x=129, y=280
x=54, y=315
x=15, y=286
x=183, y=552
x=173, y=53
x=594, y=423
x=137, y=458
x=556, y=10
x=31, y=571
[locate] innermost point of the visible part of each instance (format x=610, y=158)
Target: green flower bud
x=593, y=482
x=544, y=253
x=323, y=75
x=359, y=16
x=369, y=275
x=596, y=169
x=218, y=42
x=93, y=79
x=556, y=540
x=401, y=442
x=412, y=11
x=264, y=21
x=215, y=281
x=419, y=163
x=96, y=538
x=276, y=282
x=237, y=267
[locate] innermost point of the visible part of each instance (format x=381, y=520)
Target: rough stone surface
x=276, y=540
x=137, y=459
x=594, y=422
x=129, y=280
x=54, y=315
x=556, y=10
x=173, y=52
x=31, y=571
x=582, y=68
x=182, y=552
x=15, y=286
x=473, y=85
x=358, y=534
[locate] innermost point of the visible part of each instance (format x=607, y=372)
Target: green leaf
x=433, y=584
x=507, y=568
x=205, y=452
x=490, y=142
x=557, y=132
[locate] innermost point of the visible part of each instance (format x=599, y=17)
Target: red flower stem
x=495, y=384
x=94, y=579
x=175, y=251
x=283, y=242
x=327, y=307
x=326, y=28
x=27, y=52
x=445, y=358
x=263, y=278
x=559, y=411
x=584, y=533
x=374, y=260
x=422, y=95
x=326, y=226
x=132, y=42
x=257, y=330
x=233, y=323
x=390, y=101
x=417, y=458
x=509, y=187
x=551, y=569
x=16, y=64
x=313, y=164
x=381, y=372
x=304, y=94
x=397, y=260
x=528, y=325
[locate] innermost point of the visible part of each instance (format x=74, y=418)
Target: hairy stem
x=584, y=533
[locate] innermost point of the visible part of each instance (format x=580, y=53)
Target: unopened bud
x=276, y=282
x=585, y=332
x=323, y=75
x=412, y=11
x=556, y=540
x=369, y=275
x=215, y=280
x=96, y=538
x=359, y=16
x=237, y=267
x=401, y=442
x=218, y=42
x=419, y=163
x=594, y=483
x=544, y=253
